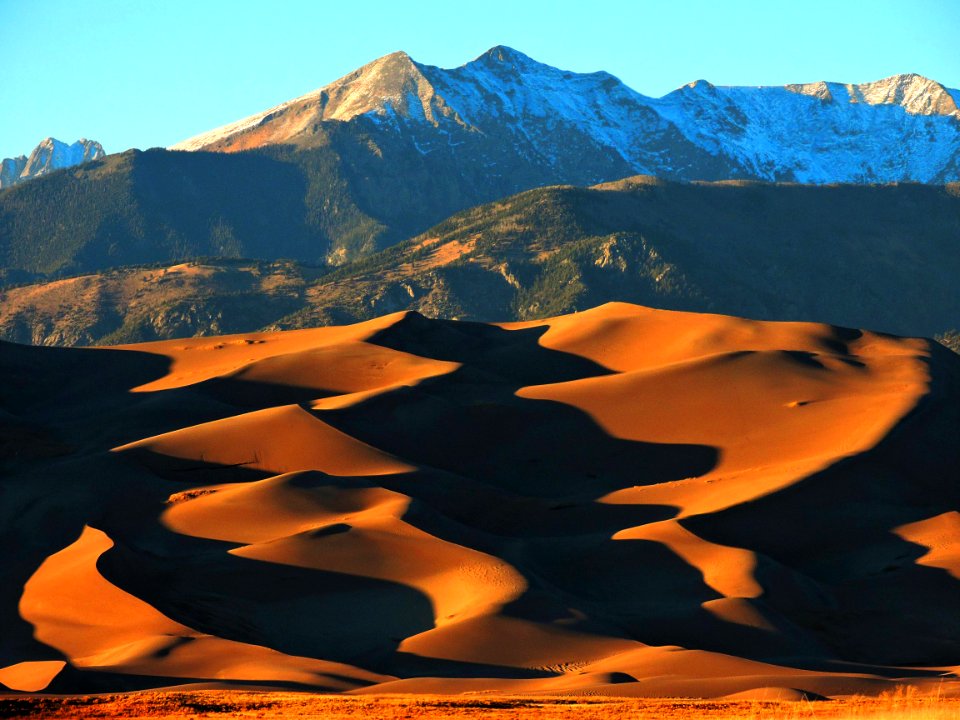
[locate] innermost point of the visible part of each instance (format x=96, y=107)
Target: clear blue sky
x=152, y=72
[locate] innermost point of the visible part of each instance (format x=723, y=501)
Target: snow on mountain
x=391, y=85
x=49, y=155
x=902, y=128
x=505, y=87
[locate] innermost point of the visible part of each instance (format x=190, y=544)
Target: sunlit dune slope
x=622, y=501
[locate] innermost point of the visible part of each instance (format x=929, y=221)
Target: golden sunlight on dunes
x=324, y=359
x=941, y=536
x=30, y=676
x=96, y=624
x=76, y=610
x=250, y=441
x=786, y=400
x=619, y=502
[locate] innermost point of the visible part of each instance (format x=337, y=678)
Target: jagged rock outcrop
x=51, y=154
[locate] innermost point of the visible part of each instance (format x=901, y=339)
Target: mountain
x=396, y=147
x=139, y=303
x=344, y=198
x=622, y=501
x=49, y=155
x=506, y=111
x=155, y=206
x=883, y=257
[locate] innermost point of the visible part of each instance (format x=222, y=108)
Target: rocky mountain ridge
x=901, y=128
x=51, y=154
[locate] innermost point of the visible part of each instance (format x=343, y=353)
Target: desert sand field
x=618, y=503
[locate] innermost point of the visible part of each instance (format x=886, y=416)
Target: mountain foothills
x=622, y=501
x=49, y=155
x=850, y=255
x=397, y=146
x=854, y=255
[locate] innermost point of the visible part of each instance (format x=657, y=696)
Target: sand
x=621, y=502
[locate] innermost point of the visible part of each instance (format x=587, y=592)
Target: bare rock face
x=51, y=154
x=10, y=169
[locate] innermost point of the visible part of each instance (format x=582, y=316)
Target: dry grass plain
x=899, y=705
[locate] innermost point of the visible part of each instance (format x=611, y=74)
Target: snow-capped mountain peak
x=905, y=127
x=391, y=83
x=820, y=90
x=700, y=85
x=501, y=57
x=51, y=154
x=914, y=93
x=391, y=86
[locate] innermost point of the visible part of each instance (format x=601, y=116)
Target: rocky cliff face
x=10, y=169
x=49, y=155
x=513, y=115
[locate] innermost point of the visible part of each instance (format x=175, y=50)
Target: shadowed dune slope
x=622, y=501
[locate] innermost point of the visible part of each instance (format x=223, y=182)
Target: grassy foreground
x=227, y=703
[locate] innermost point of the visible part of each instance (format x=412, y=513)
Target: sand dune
x=623, y=501
x=98, y=625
